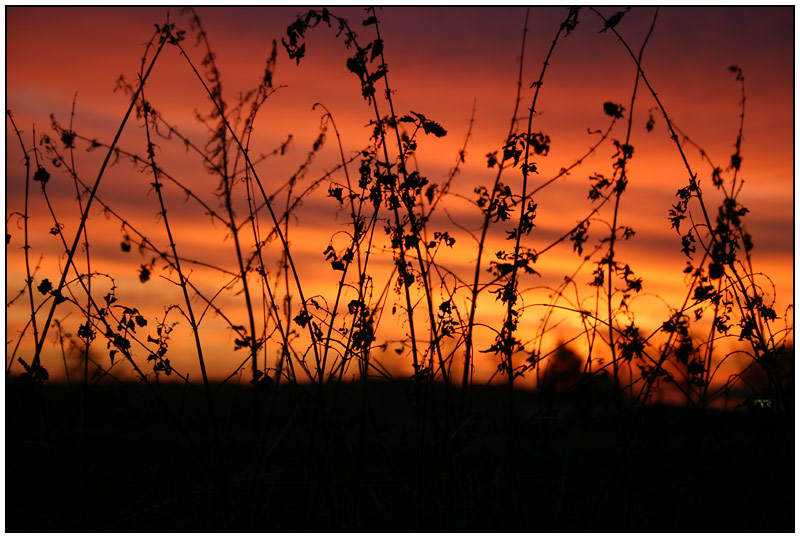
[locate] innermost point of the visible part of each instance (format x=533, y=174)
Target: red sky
x=441, y=61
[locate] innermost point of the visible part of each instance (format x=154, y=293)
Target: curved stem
x=70, y=255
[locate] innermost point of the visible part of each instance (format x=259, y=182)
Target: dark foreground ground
x=390, y=459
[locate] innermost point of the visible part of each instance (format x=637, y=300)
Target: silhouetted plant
x=292, y=345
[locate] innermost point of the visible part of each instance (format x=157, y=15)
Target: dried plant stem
x=466, y=379
x=26, y=247
x=509, y=325
x=760, y=343
x=622, y=181
x=276, y=224
x=416, y=227
x=71, y=253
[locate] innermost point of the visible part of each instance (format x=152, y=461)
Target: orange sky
x=441, y=61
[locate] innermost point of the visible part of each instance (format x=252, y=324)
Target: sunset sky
x=441, y=62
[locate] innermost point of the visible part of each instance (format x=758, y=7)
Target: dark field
x=376, y=461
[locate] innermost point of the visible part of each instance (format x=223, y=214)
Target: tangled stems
x=164, y=36
x=408, y=226
x=416, y=227
x=441, y=438
x=749, y=307
x=268, y=204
